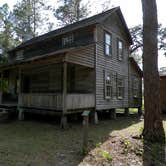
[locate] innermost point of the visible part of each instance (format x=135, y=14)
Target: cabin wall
x=48, y=79
x=84, y=80
x=44, y=79
x=45, y=88
x=82, y=37
x=134, y=102
x=111, y=64
x=83, y=56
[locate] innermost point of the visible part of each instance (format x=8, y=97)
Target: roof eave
x=125, y=25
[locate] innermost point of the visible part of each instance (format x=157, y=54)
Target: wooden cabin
x=163, y=92
x=82, y=66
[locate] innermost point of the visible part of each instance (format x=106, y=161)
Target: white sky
x=131, y=10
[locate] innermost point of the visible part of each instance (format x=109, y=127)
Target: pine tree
x=6, y=31
x=28, y=19
x=153, y=127
x=71, y=11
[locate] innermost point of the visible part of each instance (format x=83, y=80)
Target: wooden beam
x=19, y=88
x=64, y=96
x=64, y=87
x=21, y=111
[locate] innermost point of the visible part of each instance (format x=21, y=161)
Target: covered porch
x=52, y=84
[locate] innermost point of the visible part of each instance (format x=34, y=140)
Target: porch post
x=20, y=110
x=94, y=117
x=64, y=116
x=126, y=111
x=112, y=113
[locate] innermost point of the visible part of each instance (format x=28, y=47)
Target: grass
x=32, y=143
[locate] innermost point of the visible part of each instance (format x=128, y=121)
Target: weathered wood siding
x=134, y=102
x=44, y=79
x=45, y=89
x=82, y=37
x=54, y=101
x=163, y=93
x=79, y=101
x=82, y=56
x=111, y=64
x=41, y=101
x=80, y=80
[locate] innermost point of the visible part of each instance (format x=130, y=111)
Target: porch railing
x=46, y=101
x=54, y=101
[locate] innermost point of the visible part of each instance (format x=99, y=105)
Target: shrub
x=106, y=155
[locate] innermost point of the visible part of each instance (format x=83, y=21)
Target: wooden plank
x=82, y=56
x=112, y=65
x=64, y=87
x=79, y=101
x=42, y=101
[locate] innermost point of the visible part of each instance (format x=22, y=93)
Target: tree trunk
x=153, y=127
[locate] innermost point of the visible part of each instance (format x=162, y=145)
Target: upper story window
x=19, y=55
x=135, y=87
x=108, y=86
x=120, y=49
x=108, y=44
x=68, y=40
x=120, y=88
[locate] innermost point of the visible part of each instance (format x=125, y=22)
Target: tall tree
x=71, y=11
x=153, y=127
x=136, y=33
x=6, y=31
x=136, y=48
x=28, y=18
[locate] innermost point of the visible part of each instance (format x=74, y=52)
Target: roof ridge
x=68, y=26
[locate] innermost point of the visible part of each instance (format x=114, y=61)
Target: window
x=120, y=49
x=108, y=86
x=135, y=87
x=120, y=88
x=19, y=55
x=108, y=48
x=67, y=40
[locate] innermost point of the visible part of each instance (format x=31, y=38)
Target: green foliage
x=84, y=151
x=98, y=145
x=71, y=11
x=141, y=130
x=4, y=87
x=6, y=32
x=106, y=155
x=127, y=146
x=28, y=18
x=137, y=35
x=138, y=151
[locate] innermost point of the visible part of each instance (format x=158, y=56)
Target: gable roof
x=135, y=64
x=80, y=24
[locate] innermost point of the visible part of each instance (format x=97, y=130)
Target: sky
x=131, y=10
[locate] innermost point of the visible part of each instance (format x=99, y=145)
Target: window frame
x=135, y=87
x=120, y=56
x=19, y=55
x=106, y=45
x=120, y=88
x=67, y=40
x=108, y=85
